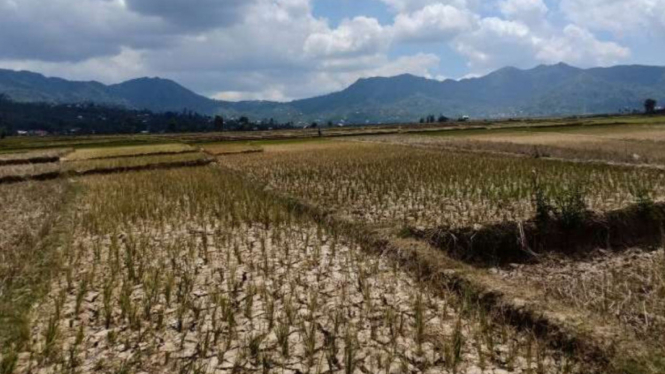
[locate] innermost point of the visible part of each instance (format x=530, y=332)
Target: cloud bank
x=281, y=50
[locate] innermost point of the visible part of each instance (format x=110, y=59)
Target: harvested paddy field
x=625, y=286
x=472, y=198
x=634, y=144
x=394, y=185
x=132, y=151
x=20, y=173
x=195, y=270
x=28, y=213
x=32, y=157
x=322, y=256
x=106, y=165
x=28, y=171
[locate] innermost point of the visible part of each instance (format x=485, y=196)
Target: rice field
x=17, y=173
x=627, y=286
x=28, y=212
x=635, y=144
x=243, y=266
x=130, y=151
x=196, y=270
x=128, y=163
x=32, y=157
x=27, y=171
x=393, y=185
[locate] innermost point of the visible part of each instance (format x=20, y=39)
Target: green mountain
x=161, y=95
x=544, y=90
x=25, y=86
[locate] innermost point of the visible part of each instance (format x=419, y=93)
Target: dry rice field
x=632, y=144
x=399, y=185
x=32, y=157
x=131, y=151
x=28, y=170
x=165, y=273
x=263, y=262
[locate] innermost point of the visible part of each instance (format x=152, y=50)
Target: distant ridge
x=545, y=90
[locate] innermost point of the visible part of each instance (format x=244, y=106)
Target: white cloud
x=436, y=22
x=359, y=36
x=271, y=94
x=579, y=46
x=527, y=11
x=618, y=16
x=406, y=6
x=497, y=43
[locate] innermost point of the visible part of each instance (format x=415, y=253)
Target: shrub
x=569, y=207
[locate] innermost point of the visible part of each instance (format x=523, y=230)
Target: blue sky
x=288, y=49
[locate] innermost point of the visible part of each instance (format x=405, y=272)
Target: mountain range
x=509, y=92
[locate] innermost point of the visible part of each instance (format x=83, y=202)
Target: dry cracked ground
x=198, y=271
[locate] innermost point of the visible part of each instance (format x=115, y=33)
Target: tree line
x=90, y=118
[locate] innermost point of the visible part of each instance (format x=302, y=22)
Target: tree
x=219, y=123
x=330, y=124
x=650, y=106
x=3, y=133
x=172, y=125
x=243, y=120
x=443, y=119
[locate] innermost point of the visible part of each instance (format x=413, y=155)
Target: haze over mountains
x=509, y=92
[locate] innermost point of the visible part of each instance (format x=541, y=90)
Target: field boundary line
x=135, y=155
x=157, y=166
x=36, y=160
x=232, y=153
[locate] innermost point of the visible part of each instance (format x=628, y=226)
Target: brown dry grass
x=28, y=170
x=635, y=144
x=100, y=165
x=130, y=151
x=628, y=287
x=28, y=212
x=32, y=156
x=405, y=186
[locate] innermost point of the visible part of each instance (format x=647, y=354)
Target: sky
x=289, y=49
